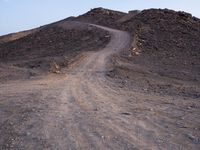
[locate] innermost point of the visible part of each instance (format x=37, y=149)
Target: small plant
x=55, y=68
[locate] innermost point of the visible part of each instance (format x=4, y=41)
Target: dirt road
x=81, y=109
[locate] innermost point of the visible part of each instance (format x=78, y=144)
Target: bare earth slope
x=66, y=113
x=15, y=36
x=61, y=43
x=127, y=92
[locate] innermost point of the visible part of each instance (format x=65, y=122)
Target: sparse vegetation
x=55, y=68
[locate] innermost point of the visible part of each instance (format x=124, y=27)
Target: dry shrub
x=55, y=68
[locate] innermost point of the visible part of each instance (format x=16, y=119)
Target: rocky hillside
x=57, y=44
x=165, y=31
x=52, y=41
x=139, y=90
x=15, y=36
x=166, y=39
x=165, y=54
x=161, y=38
x=165, y=45
x=101, y=16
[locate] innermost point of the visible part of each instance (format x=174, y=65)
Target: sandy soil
x=82, y=109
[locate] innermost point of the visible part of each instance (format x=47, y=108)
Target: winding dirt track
x=81, y=110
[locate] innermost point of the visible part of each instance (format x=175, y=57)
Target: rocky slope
x=15, y=36
x=132, y=89
x=101, y=16
x=165, y=42
x=56, y=43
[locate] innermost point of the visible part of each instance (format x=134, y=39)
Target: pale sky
x=19, y=15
